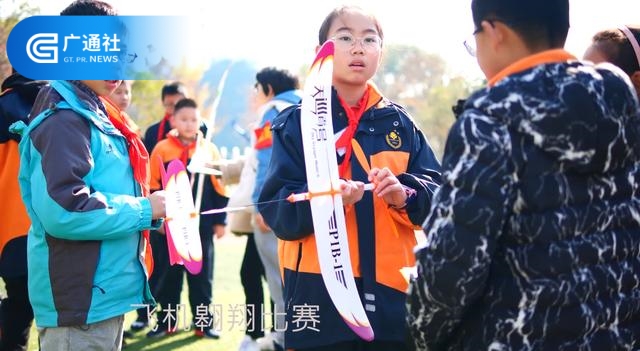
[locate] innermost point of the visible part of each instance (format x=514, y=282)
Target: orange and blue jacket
x=213, y=191
x=17, y=97
x=381, y=239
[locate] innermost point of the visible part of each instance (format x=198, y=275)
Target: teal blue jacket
x=87, y=212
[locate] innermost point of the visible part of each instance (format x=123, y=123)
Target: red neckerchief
x=353, y=115
x=161, y=131
x=139, y=159
x=185, y=149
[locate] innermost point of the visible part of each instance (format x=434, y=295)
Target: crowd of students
x=531, y=219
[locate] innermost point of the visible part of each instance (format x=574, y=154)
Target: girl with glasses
x=394, y=155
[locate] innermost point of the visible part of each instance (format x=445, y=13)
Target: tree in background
x=420, y=81
x=410, y=76
x=146, y=105
x=416, y=79
x=6, y=25
x=408, y=72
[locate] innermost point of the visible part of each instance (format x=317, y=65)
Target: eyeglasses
x=346, y=41
x=257, y=87
x=470, y=43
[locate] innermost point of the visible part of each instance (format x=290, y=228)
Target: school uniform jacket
x=213, y=191
x=533, y=242
x=17, y=97
x=381, y=239
x=151, y=137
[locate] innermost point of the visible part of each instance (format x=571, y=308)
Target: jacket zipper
x=294, y=282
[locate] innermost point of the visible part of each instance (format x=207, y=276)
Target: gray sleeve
x=64, y=142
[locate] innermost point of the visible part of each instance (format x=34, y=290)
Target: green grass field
x=227, y=292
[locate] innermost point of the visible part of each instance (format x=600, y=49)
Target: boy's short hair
x=618, y=49
x=183, y=103
x=89, y=8
x=174, y=88
x=281, y=80
x=539, y=22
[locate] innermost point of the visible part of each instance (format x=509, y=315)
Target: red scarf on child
x=185, y=149
x=139, y=159
x=161, y=131
x=354, y=113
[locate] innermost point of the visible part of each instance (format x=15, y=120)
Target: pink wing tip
x=175, y=167
x=193, y=267
x=364, y=332
x=163, y=173
x=325, y=52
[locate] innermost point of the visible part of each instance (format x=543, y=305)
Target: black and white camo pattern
x=533, y=239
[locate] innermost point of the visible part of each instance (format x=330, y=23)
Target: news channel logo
x=42, y=48
x=95, y=47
